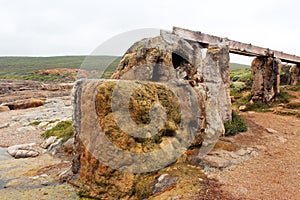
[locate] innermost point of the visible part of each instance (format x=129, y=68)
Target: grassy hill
x=22, y=67
x=234, y=66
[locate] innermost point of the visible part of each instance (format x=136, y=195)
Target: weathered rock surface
x=23, y=104
x=223, y=159
x=48, y=142
x=271, y=131
x=33, y=178
x=295, y=75
x=266, y=79
x=163, y=79
x=215, y=71
x=23, y=150
x=163, y=182
x=4, y=125
x=13, y=90
x=4, y=108
x=127, y=152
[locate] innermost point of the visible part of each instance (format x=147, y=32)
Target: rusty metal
x=234, y=46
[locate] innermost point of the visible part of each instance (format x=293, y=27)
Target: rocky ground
x=36, y=177
x=274, y=173
x=262, y=163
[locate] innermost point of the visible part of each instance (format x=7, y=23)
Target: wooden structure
x=235, y=46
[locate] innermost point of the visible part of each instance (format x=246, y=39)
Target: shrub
x=236, y=125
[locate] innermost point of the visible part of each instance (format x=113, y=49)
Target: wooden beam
x=234, y=46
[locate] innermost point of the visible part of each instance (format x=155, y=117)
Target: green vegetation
x=235, y=66
x=62, y=130
x=236, y=125
x=23, y=67
x=288, y=113
x=257, y=107
x=295, y=88
x=284, y=97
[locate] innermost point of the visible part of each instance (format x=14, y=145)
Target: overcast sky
x=70, y=27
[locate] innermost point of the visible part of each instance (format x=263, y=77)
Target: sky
x=72, y=27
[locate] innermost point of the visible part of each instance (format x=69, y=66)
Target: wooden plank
x=234, y=46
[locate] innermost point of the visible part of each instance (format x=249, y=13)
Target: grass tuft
x=236, y=125
x=62, y=130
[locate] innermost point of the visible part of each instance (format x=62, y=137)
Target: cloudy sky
x=71, y=27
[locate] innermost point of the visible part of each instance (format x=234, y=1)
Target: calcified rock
x=215, y=72
x=48, y=142
x=23, y=150
x=165, y=100
x=23, y=104
x=106, y=151
x=266, y=79
x=295, y=75
x=4, y=108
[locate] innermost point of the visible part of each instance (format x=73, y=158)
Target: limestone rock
x=272, y=131
x=266, y=79
x=23, y=104
x=4, y=108
x=166, y=89
x=54, y=145
x=215, y=71
x=4, y=125
x=295, y=75
x=224, y=159
x=68, y=146
x=242, y=108
x=48, y=142
x=163, y=182
x=23, y=150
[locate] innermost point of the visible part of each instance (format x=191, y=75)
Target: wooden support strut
x=234, y=46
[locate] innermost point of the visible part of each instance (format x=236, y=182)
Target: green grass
x=284, y=97
x=257, y=107
x=22, y=67
x=235, y=66
x=288, y=113
x=236, y=125
x=62, y=130
x=295, y=88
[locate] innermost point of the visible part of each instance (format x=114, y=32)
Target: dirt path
x=275, y=172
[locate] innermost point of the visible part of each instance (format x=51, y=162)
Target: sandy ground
x=275, y=172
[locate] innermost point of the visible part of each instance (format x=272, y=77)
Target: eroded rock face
x=216, y=76
x=164, y=88
x=266, y=75
x=23, y=104
x=295, y=75
x=107, y=156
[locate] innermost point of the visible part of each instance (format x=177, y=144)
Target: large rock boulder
x=165, y=100
x=295, y=75
x=266, y=79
